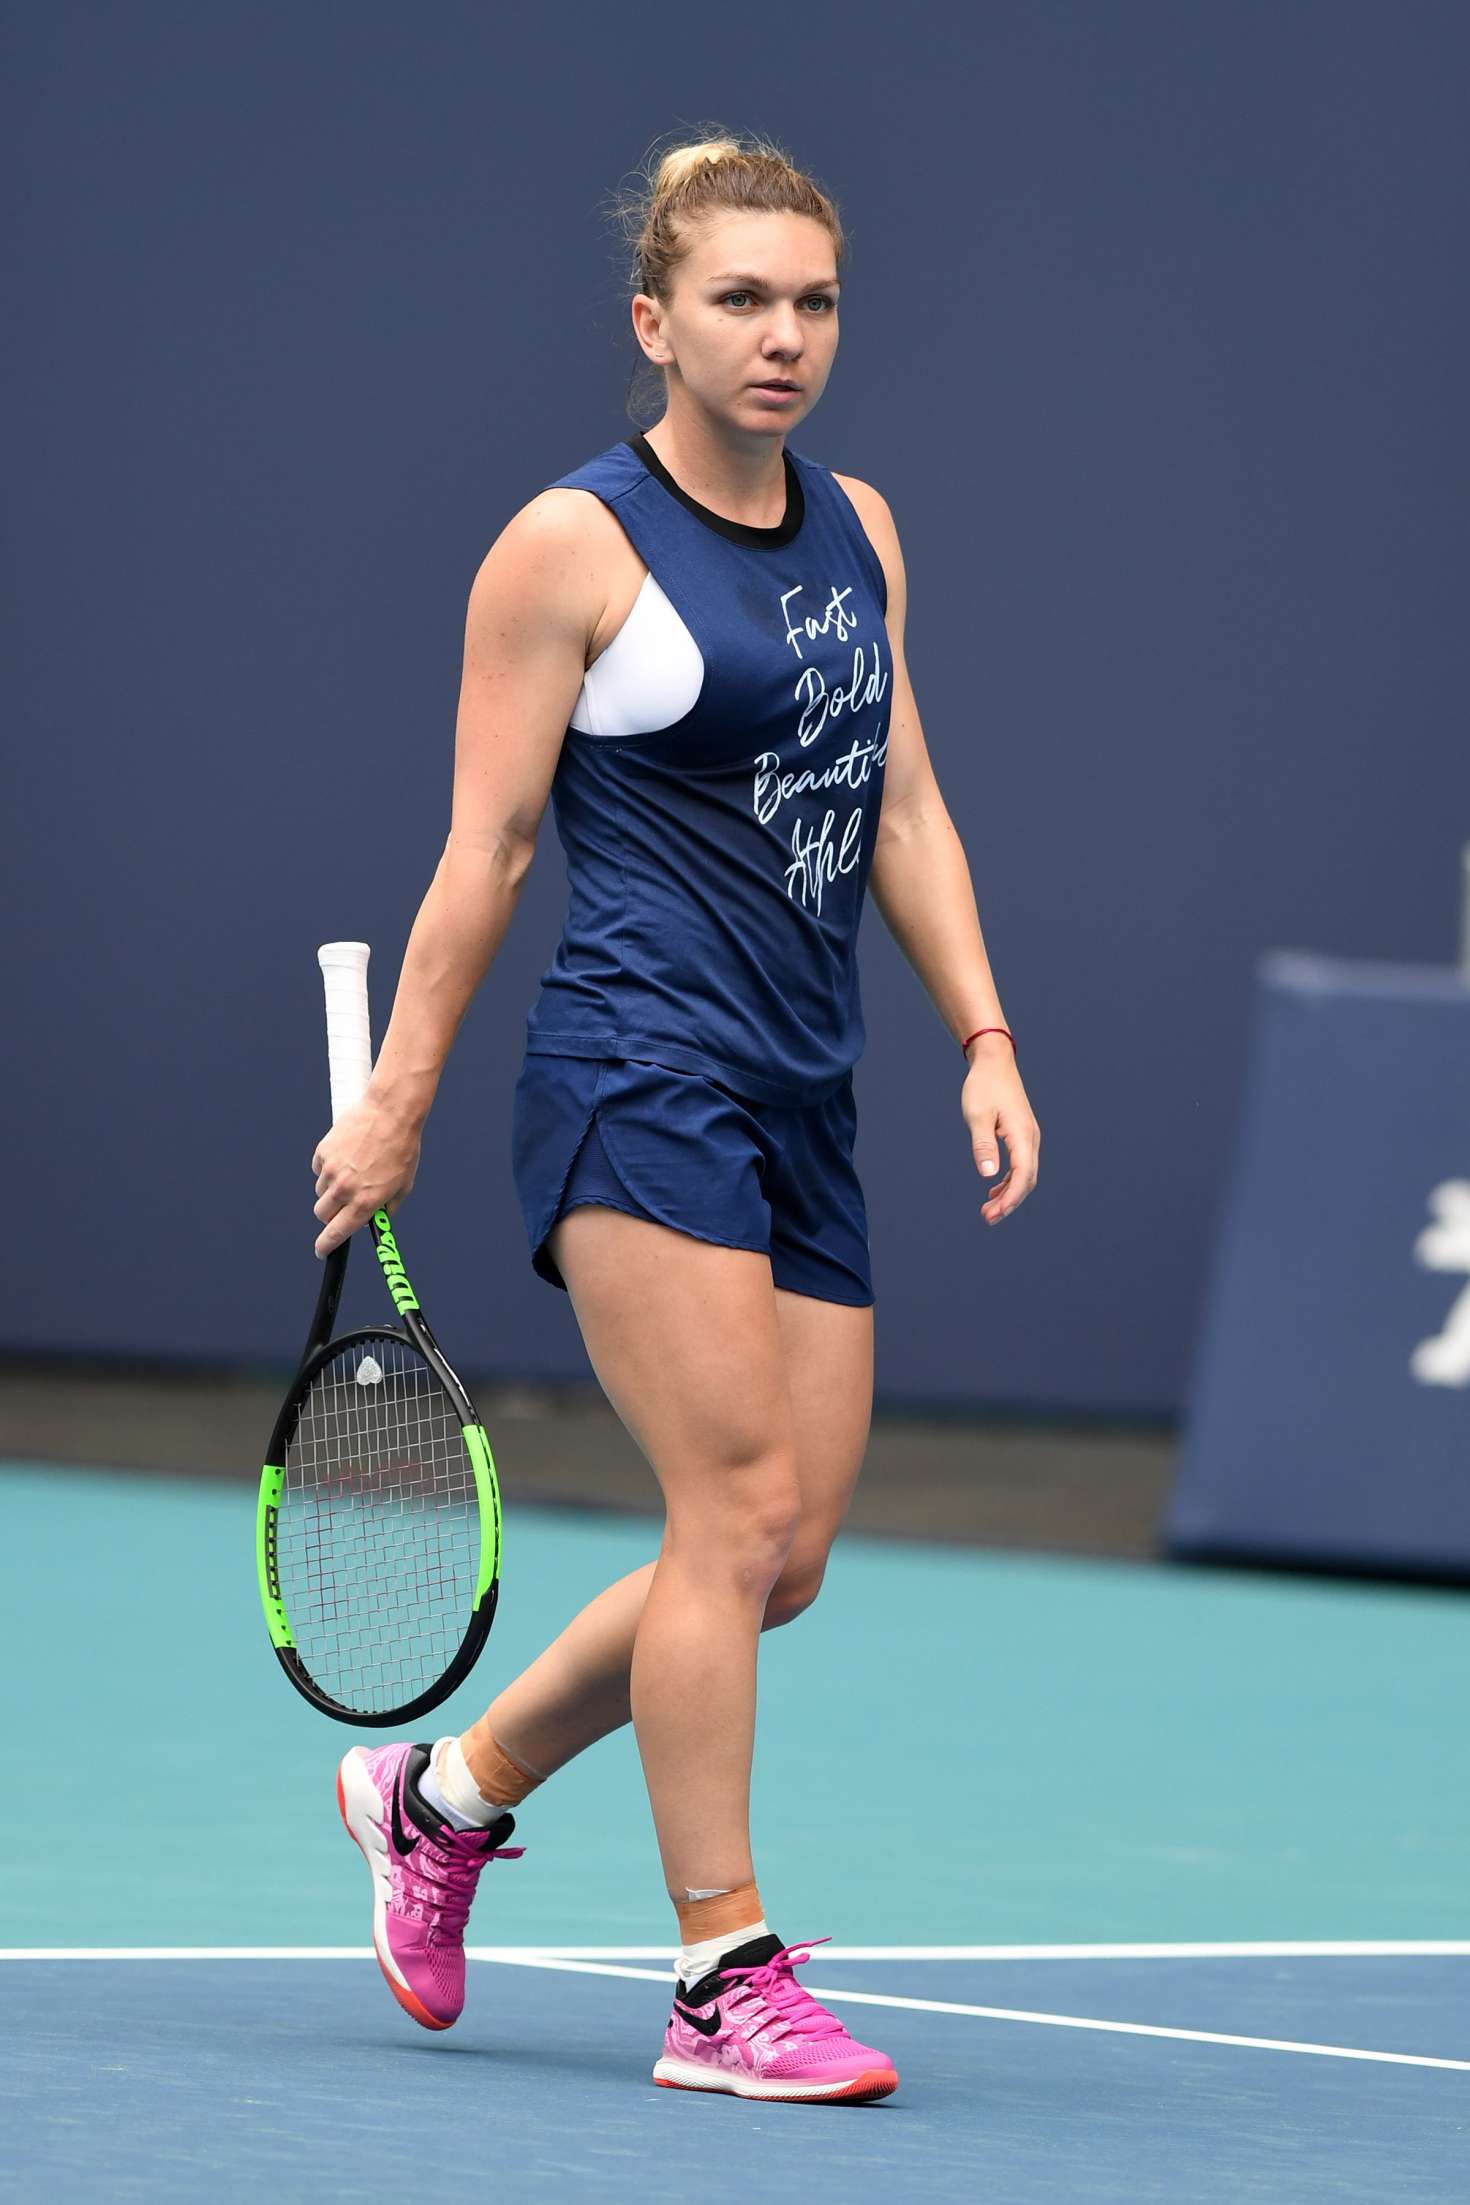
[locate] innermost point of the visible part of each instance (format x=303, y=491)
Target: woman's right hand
x=367, y=1161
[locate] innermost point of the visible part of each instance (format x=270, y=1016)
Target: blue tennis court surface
x=191, y=2078
x=958, y=1752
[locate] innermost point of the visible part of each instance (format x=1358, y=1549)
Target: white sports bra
x=648, y=677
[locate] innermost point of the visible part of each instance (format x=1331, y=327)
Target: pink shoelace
x=777, y=1985
x=445, y=1884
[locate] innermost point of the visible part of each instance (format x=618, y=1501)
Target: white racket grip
x=349, y=1035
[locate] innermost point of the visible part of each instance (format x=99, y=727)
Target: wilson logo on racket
x=402, y=1293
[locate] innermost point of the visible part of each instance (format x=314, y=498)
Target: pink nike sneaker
x=424, y=1875
x=749, y=2027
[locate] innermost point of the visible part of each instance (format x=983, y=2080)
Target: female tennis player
x=694, y=643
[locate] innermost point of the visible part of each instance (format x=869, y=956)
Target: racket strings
x=378, y=1534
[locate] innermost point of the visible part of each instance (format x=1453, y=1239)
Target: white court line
x=1307, y=1949
x=547, y=1956
x=1007, y=2013
x=189, y=1952
x=1277, y=1949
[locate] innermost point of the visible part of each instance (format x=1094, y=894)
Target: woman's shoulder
x=876, y=516
x=608, y=473
x=872, y=506
x=578, y=507
x=573, y=511
x=562, y=548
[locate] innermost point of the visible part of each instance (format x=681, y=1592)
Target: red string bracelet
x=979, y=1030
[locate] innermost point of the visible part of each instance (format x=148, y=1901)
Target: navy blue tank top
x=717, y=864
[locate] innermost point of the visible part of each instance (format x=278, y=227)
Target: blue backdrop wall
x=1154, y=336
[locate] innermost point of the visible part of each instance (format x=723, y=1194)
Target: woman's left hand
x=994, y=1106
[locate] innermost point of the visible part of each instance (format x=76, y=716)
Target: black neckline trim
x=739, y=532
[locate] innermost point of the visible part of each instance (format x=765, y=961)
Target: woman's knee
x=737, y=1526
x=795, y=1589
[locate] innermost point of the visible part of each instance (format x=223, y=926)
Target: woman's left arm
x=920, y=881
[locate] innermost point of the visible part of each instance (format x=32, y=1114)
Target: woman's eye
x=820, y=296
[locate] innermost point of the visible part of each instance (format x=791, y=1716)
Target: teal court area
x=1152, y=1881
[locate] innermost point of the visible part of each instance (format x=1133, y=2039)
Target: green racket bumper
x=487, y=1486
x=271, y=1482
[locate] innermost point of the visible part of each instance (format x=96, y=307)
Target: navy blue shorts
x=689, y=1152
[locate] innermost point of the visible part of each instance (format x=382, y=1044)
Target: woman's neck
x=745, y=483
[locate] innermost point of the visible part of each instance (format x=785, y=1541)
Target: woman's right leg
x=683, y=1337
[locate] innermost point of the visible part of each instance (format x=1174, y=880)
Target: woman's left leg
x=577, y=1691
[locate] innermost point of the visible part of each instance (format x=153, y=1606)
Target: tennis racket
x=378, y=1522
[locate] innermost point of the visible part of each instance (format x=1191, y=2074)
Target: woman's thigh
x=828, y=1353
x=712, y=1369
x=684, y=1339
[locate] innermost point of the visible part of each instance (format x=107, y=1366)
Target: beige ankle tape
x=497, y=1777
x=701, y=1918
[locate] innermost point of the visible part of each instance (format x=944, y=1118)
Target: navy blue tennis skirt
x=689, y=1152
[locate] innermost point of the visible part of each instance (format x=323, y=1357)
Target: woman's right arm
x=532, y=609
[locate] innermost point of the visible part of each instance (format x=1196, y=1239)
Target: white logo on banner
x=1444, y=1359
x=820, y=853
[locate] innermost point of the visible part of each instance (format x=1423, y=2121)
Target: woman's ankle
x=499, y=1775
x=717, y=1913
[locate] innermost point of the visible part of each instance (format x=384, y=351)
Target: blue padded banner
x=1328, y=1417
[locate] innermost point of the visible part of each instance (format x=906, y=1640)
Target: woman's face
x=754, y=298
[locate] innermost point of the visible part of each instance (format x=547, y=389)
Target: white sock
x=695, y=1961
x=451, y=1791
